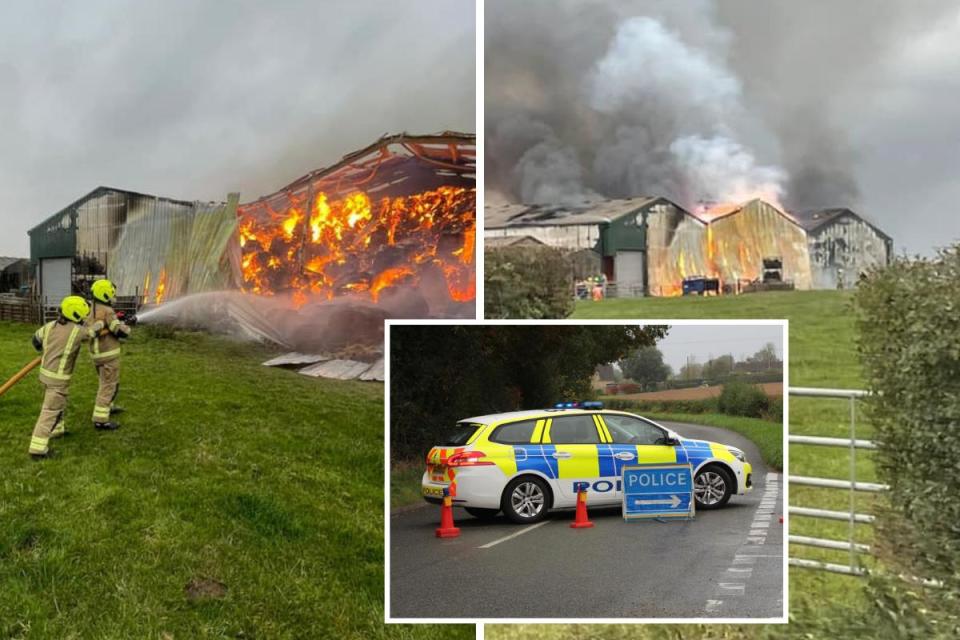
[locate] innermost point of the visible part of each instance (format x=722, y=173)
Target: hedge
x=908, y=316
x=527, y=282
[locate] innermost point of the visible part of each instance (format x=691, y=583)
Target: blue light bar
x=592, y=404
x=595, y=404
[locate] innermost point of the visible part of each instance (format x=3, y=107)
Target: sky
x=704, y=342
x=817, y=104
x=193, y=100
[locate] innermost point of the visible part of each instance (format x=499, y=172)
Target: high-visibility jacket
x=60, y=342
x=105, y=346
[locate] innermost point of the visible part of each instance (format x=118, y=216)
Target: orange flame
x=358, y=245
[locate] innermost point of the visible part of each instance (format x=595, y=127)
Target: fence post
x=853, y=478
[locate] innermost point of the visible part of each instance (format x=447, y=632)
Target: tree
x=692, y=370
x=765, y=359
x=443, y=373
x=646, y=367
x=718, y=368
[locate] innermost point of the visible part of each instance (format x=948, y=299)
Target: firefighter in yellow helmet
x=105, y=351
x=59, y=341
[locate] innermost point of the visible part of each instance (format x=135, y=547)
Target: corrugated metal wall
x=842, y=249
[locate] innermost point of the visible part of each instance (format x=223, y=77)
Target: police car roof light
x=593, y=404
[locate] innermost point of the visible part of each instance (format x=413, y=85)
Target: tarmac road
x=726, y=563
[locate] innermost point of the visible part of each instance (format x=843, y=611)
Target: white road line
x=513, y=535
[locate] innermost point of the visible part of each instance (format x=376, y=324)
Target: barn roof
x=815, y=219
x=6, y=261
x=589, y=212
x=716, y=211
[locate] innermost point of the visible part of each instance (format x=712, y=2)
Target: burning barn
x=741, y=237
x=400, y=212
x=151, y=247
x=644, y=246
x=843, y=245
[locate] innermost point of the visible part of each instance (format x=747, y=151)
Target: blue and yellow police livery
x=525, y=463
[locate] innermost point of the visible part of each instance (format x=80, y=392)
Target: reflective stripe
x=54, y=375
x=66, y=352
x=546, y=431
x=113, y=325
x=537, y=431
x=604, y=431
x=107, y=354
x=101, y=412
x=38, y=445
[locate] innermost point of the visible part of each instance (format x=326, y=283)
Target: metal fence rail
x=852, y=486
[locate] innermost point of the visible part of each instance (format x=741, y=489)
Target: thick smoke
x=696, y=101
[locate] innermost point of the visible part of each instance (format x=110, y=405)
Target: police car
x=525, y=463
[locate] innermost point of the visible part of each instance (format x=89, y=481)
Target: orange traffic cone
x=581, y=522
x=446, y=528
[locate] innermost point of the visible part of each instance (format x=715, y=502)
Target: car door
x=573, y=442
x=633, y=441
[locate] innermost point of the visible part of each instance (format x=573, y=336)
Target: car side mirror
x=669, y=442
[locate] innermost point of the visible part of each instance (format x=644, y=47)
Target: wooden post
x=20, y=375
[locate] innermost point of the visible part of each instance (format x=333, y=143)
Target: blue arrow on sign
x=658, y=491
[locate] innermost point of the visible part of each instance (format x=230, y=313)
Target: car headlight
x=737, y=454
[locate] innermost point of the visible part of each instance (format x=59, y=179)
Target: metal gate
x=851, y=485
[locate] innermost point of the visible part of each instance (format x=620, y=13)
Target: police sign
x=658, y=491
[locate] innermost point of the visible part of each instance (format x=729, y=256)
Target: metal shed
x=842, y=245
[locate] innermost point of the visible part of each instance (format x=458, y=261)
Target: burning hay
x=400, y=213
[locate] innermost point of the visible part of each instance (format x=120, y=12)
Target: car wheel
x=526, y=500
x=483, y=514
x=712, y=487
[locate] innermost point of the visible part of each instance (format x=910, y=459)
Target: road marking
x=713, y=605
x=513, y=535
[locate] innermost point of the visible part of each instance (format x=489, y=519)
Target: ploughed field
x=772, y=389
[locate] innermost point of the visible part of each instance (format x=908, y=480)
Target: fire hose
x=19, y=375
x=33, y=364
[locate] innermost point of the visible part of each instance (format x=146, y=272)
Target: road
x=726, y=563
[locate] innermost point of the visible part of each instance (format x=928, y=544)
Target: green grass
x=266, y=481
x=822, y=354
x=405, y=477
x=767, y=435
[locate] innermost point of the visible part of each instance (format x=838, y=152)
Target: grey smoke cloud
x=822, y=102
x=195, y=99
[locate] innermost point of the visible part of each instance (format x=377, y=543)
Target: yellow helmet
x=104, y=291
x=74, y=308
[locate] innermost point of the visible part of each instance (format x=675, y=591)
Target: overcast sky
x=834, y=103
x=194, y=99
x=704, y=342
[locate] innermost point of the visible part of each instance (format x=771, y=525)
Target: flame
x=161, y=286
x=355, y=244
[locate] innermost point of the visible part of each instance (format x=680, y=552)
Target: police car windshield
x=461, y=435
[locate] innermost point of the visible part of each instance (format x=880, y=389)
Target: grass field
x=225, y=471
x=768, y=436
x=822, y=353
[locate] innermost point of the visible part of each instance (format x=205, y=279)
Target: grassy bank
x=768, y=436
x=237, y=501
x=405, y=479
x=822, y=354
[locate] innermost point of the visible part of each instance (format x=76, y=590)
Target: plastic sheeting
x=164, y=251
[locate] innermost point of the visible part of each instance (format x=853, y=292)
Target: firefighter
x=105, y=352
x=59, y=341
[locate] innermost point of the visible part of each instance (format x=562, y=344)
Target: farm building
x=148, y=245
x=14, y=274
x=396, y=212
x=644, y=246
x=740, y=236
x=842, y=245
